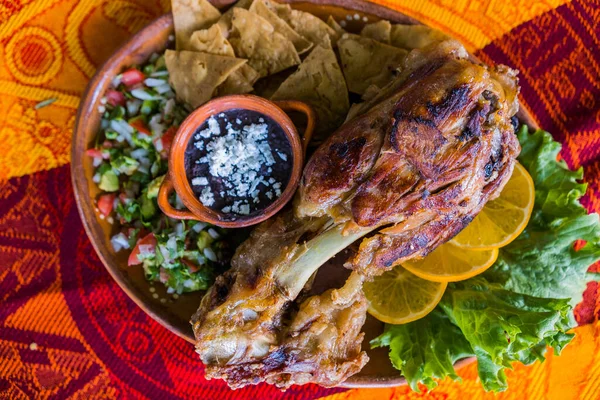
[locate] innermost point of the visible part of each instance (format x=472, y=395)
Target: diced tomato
x=190, y=265
x=105, y=203
x=132, y=77
x=166, y=140
x=139, y=125
x=114, y=98
x=163, y=276
x=95, y=153
x=148, y=240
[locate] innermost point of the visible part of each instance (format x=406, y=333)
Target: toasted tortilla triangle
x=305, y=24
x=255, y=39
x=190, y=16
x=300, y=43
x=415, y=36
x=380, y=31
x=239, y=82
x=213, y=41
x=320, y=83
x=195, y=76
x=225, y=20
x=368, y=62
x=339, y=31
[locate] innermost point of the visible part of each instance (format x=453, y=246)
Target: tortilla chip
x=190, y=16
x=380, y=31
x=211, y=41
x=307, y=25
x=320, y=83
x=195, y=76
x=415, y=36
x=367, y=62
x=239, y=82
x=254, y=38
x=339, y=31
x=259, y=7
x=225, y=20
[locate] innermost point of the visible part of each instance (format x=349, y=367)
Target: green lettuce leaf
x=425, y=349
x=524, y=302
x=503, y=326
x=542, y=261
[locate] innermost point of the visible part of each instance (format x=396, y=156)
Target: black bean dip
x=238, y=162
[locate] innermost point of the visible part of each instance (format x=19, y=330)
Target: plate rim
x=85, y=208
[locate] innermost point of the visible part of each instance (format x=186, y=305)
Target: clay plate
x=175, y=314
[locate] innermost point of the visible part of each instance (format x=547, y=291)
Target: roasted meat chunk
x=409, y=169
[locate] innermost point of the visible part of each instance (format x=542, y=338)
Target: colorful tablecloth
x=68, y=331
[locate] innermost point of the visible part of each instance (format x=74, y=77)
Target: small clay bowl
x=177, y=180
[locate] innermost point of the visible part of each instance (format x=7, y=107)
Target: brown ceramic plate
x=175, y=314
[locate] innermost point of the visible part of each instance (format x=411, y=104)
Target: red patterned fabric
x=558, y=56
x=68, y=331
x=91, y=338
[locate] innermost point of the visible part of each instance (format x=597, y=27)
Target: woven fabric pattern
x=68, y=331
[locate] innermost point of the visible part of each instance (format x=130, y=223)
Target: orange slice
x=450, y=263
x=502, y=219
x=398, y=296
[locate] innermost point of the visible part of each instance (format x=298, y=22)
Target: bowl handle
x=293, y=105
x=166, y=188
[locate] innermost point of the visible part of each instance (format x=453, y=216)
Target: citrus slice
x=502, y=219
x=450, y=263
x=398, y=296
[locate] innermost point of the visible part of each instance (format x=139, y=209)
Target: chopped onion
x=152, y=82
x=146, y=250
x=178, y=203
x=157, y=74
x=143, y=95
x=119, y=241
x=133, y=106
x=179, y=229
x=139, y=153
x=213, y=234
x=96, y=178
x=97, y=161
x=156, y=127
x=210, y=254
x=199, y=226
x=123, y=129
x=164, y=88
x=116, y=81
x=158, y=145
x=188, y=283
x=169, y=107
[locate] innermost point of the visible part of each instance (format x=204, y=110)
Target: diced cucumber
x=109, y=181
x=154, y=186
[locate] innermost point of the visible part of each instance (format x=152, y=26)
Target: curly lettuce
x=521, y=305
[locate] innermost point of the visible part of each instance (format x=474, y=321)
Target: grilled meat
x=412, y=167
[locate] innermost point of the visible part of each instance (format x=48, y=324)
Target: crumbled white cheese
x=199, y=181
x=206, y=197
x=237, y=156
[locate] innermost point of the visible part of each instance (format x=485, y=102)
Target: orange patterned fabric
x=68, y=331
